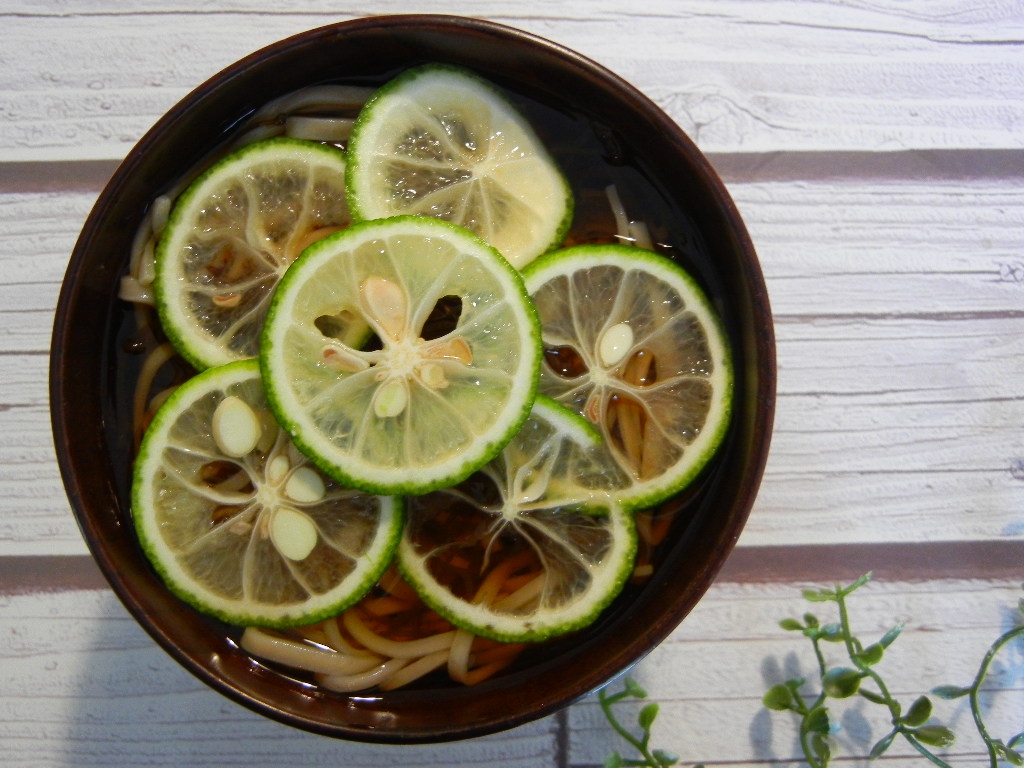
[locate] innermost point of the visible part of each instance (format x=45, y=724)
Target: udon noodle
x=390, y=638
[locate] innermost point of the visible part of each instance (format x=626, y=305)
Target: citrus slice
x=524, y=550
x=448, y=378
x=632, y=343
x=230, y=237
x=441, y=141
x=238, y=523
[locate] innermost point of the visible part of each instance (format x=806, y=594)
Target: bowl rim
x=762, y=393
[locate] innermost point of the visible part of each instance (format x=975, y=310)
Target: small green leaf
x=870, y=655
x=614, y=760
x=633, y=688
x=822, y=750
x=791, y=625
x=841, y=682
x=918, y=713
x=857, y=584
x=665, y=758
x=951, y=691
x=882, y=745
x=778, y=698
x=934, y=735
x=819, y=595
x=833, y=633
x=890, y=637
x=811, y=620
x=647, y=716
x=1018, y=739
x=817, y=721
x=872, y=696
x=1006, y=753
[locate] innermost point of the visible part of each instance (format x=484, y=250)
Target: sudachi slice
x=440, y=141
x=632, y=343
x=533, y=546
x=452, y=370
x=231, y=235
x=256, y=538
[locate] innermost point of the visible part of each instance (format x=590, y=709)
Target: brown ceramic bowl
x=603, y=130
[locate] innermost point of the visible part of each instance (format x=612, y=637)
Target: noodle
x=629, y=231
x=304, y=656
x=345, y=654
x=386, y=606
x=458, y=658
x=404, y=649
x=337, y=641
x=520, y=597
x=481, y=673
x=499, y=575
x=377, y=676
x=154, y=361
x=415, y=670
x=318, y=98
x=335, y=130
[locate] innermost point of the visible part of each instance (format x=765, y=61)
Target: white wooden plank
x=889, y=247
x=710, y=674
x=739, y=76
x=829, y=247
x=36, y=517
x=925, y=446
x=84, y=685
x=891, y=493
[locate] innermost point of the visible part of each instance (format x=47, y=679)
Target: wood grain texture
x=93, y=688
x=740, y=77
x=84, y=685
x=713, y=712
x=861, y=272
x=875, y=151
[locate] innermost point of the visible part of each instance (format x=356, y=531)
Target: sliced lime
x=239, y=523
x=233, y=233
x=453, y=370
x=441, y=141
x=632, y=343
x=531, y=547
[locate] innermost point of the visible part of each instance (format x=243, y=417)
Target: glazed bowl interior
x=603, y=131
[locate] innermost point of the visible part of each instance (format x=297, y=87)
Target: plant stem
x=866, y=670
x=805, y=731
x=640, y=746
x=975, y=690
